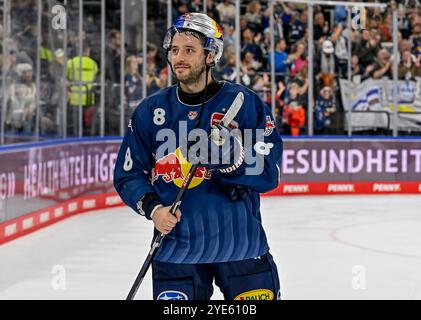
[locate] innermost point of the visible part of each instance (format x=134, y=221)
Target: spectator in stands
x=291, y=112
x=296, y=118
x=265, y=42
x=243, y=23
x=415, y=38
x=356, y=70
x=284, y=12
x=82, y=70
x=228, y=72
x=304, y=19
x=281, y=57
x=377, y=37
x=56, y=69
x=264, y=46
x=46, y=57
x=49, y=102
x=254, y=15
x=229, y=36
x=21, y=55
x=404, y=45
x=296, y=29
x=293, y=93
x=27, y=41
x=340, y=37
x=249, y=44
x=297, y=58
x=382, y=66
x=366, y=49
x=261, y=85
x=404, y=23
x=21, y=110
x=325, y=68
x=226, y=11
x=321, y=27
x=323, y=110
x=112, y=58
x=409, y=67
x=154, y=61
x=15, y=57
x=385, y=28
x=152, y=83
x=11, y=65
x=374, y=22
x=132, y=83
x=368, y=59
x=301, y=80
x=248, y=67
x=265, y=20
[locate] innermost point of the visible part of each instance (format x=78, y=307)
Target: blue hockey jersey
x=213, y=228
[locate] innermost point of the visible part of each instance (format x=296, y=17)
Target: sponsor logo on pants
x=259, y=294
x=172, y=295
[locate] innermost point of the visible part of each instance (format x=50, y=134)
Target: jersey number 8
x=159, y=116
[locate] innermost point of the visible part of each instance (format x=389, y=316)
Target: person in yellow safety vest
x=81, y=73
x=86, y=77
x=46, y=54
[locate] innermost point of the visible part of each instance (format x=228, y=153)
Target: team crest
x=269, y=126
x=192, y=115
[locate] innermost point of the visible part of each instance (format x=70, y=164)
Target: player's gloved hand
x=164, y=221
x=222, y=151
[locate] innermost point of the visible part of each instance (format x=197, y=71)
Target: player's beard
x=193, y=76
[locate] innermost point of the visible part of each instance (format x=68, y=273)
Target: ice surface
x=336, y=247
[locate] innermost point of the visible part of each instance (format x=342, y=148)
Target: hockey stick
x=226, y=120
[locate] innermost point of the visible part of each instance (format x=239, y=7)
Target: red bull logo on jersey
x=174, y=168
x=168, y=167
x=192, y=115
x=258, y=294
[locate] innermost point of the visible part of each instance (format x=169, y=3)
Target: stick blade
x=233, y=109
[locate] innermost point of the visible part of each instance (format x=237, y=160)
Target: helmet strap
x=168, y=61
x=199, y=118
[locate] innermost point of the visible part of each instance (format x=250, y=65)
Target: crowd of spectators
x=371, y=57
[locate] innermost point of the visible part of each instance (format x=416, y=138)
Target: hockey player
x=217, y=234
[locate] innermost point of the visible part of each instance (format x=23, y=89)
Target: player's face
x=187, y=58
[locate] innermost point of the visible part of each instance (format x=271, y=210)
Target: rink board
x=44, y=183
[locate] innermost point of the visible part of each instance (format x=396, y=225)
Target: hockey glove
x=222, y=151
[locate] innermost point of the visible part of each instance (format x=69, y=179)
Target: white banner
x=371, y=103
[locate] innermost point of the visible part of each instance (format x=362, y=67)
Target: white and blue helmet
x=200, y=23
